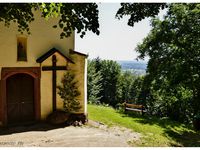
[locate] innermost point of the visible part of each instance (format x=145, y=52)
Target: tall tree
x=110, y=71
x=94, y=84
x=125, y=87
x=173, y=46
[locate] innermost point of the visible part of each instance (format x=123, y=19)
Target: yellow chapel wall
x=43, y=37
x=79, y=69
x=46, y=83
x=46, y=86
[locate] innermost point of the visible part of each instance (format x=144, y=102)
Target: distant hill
x=137, y=67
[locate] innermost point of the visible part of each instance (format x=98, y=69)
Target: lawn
x=155, y=132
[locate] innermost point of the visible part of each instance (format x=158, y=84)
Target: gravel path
x=92, y=135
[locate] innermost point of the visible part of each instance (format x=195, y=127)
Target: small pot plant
x=196, y=121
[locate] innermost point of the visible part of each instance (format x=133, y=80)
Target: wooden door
x=20, y=99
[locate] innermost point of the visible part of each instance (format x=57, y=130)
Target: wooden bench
x=134, y=107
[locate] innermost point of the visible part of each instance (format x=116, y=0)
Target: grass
x=155, y=131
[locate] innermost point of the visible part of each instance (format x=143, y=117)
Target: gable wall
x=43, y=37
x=46, y=86
x=46, y=83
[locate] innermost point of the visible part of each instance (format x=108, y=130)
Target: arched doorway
x=11, y=75
x=20, y=99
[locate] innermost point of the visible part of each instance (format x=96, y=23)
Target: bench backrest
x=134, y=106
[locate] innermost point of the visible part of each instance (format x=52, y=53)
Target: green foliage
x=106, y=74
x=125, y=85
x=175, y=103
x=69, y=92
x=110, y=71
x=139, y=11
x=81, y=17
x=136, y=91
x=19, y=13
x=173, y=46
x=107, y=84
x=94, y=84
x=197, y=116
x=128, y=87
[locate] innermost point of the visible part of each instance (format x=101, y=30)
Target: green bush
x=69, y=92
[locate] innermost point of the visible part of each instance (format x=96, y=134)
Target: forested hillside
x=109, y=84
x=136, y=67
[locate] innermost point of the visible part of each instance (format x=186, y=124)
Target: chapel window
x=21, y=49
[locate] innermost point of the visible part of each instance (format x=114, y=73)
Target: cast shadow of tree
x=189, y=138
x=42, y=126
x=186, y=139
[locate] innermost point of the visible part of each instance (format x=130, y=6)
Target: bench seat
x=134, y=107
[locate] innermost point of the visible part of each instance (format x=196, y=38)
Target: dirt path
x=92, y=135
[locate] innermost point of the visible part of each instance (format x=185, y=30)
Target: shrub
x=69, y=92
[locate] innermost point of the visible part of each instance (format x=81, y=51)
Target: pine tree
x=69, y=92
x=94, y=83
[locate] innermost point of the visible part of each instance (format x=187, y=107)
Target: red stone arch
x=34, y=72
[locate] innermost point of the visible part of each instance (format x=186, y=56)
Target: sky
x=117, y=40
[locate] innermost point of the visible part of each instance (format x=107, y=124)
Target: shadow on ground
x=186, y=139
x=42, y=126
x=172, y=129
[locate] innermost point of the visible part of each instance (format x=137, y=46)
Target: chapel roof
x=51, y=52
x=76, y=52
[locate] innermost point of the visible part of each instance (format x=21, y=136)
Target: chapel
x=31, y=68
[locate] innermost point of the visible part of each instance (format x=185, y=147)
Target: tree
x=81, y=17
x=136, y=91
x=110, y=71
x=69, y=92
x=173, y=46
x=94, y=84
x=125, y=85
x=103, y=81
x=139, y=11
